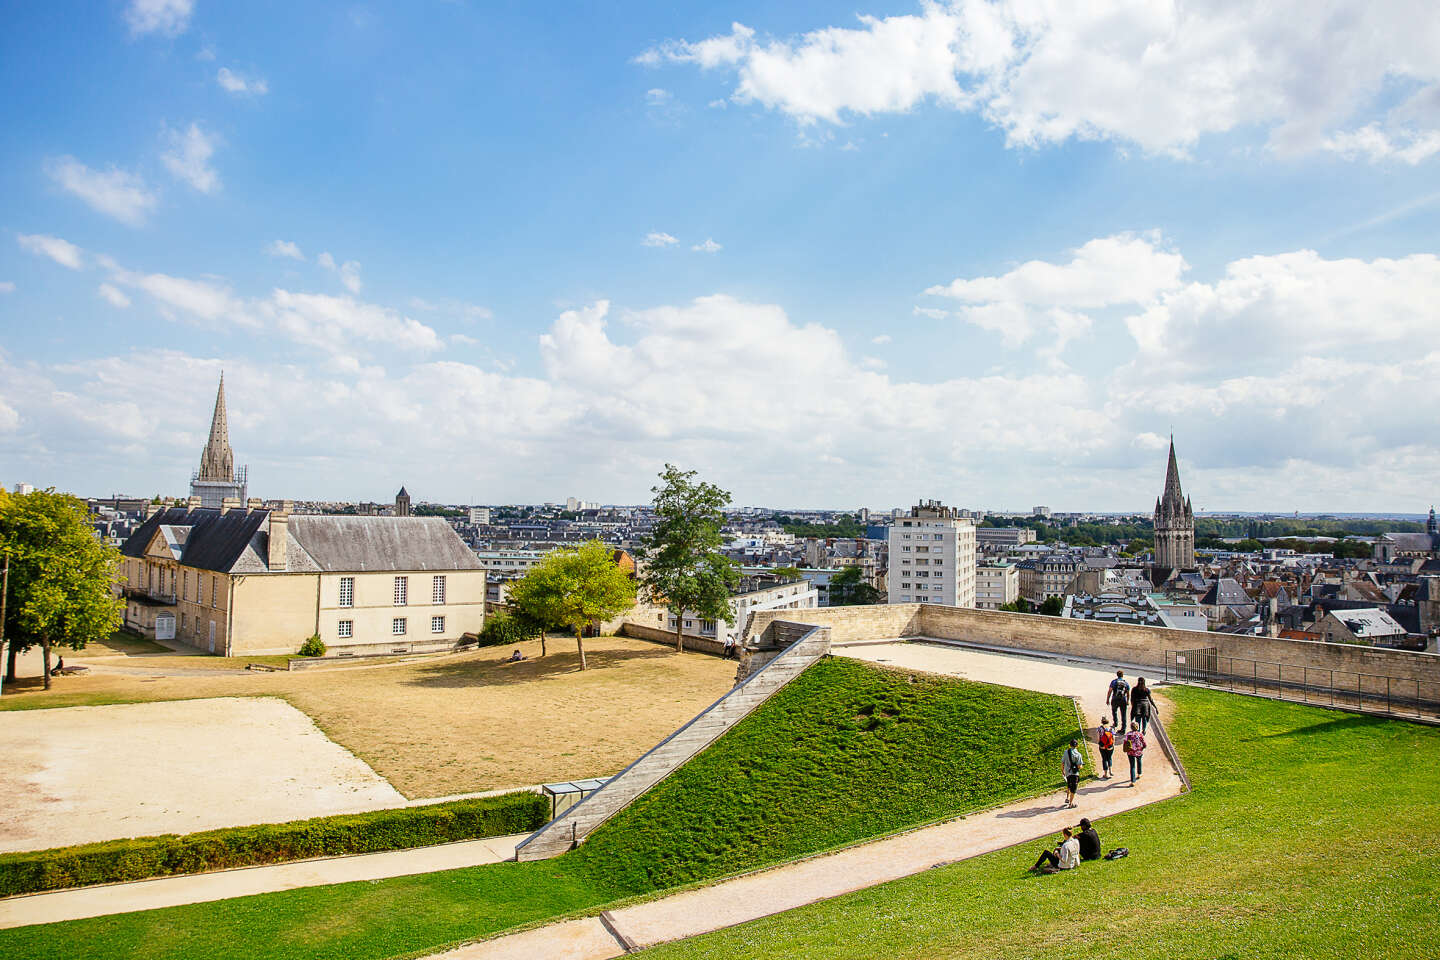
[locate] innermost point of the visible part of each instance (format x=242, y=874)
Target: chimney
x=229, y=503
x=153, y=508
x=279, y=532
x=255, y=503
x=193, y=503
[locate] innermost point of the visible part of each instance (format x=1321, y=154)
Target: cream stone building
x=932, y=556
x=244, y=581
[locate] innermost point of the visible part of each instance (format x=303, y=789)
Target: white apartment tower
x=932, y=557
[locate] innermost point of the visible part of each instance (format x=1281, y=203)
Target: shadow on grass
x=1325, y=726
x=559, y=662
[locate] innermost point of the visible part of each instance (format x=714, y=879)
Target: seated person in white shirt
x=1064, y=857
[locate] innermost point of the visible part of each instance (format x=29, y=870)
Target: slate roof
x=1369, y=622
x=1226, y=592
x=200, y=538
x=1411, y=542
x=363, y=544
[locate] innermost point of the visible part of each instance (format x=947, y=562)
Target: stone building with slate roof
x=240, y=581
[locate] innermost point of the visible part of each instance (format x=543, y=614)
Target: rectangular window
x=345, y=629
x=437, y=590
x=347, y=591
x=397, y=626
x=437, y=624
x=199, y=589
x=185, y=585
x=402, y=591
x=214, y=591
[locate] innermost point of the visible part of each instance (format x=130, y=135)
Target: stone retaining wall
x=667, y=637
x=1121, y=643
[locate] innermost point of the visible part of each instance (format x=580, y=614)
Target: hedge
x=397, y=829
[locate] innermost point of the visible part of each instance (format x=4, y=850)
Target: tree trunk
x=680, y=632
x=45, y=645
x=580, y=644
x=10, y=664
x=542, y=643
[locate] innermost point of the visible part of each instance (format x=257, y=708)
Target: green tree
x=1018, y=605
x=1052, y=606
x=575, y=588
x=848, y=588
x=61, y=575
x=682, y=568
x=788, y=573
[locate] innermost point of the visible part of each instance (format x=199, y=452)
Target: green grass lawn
x=847, y=751
x=1309, y=833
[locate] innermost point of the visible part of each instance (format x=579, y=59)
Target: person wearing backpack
x=1071, y=764
x=1106, y=741
x=1134, y=747
x=1118, y=696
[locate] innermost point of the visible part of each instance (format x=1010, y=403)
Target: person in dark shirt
x=1089, y=841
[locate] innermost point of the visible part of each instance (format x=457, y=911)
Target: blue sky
x=990, y=252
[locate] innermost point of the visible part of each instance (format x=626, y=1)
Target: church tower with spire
x=1174, y=523
x=217, y=480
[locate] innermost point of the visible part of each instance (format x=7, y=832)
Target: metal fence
x=1365, y=692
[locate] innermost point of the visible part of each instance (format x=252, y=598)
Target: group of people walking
x=1139, y=703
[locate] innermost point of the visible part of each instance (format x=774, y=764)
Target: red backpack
x=1107, y=740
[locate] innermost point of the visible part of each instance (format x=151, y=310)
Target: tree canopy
x=574, y=589
x=61, y=589
x=683, y=569
x=848, y=588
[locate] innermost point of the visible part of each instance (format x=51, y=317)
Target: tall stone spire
x=1173, y=500
x=218, y=460
x=1174, y=522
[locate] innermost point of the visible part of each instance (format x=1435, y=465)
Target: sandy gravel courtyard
x=81, y=774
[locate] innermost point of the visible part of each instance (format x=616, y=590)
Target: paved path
x=787, y=887
x=224, y=884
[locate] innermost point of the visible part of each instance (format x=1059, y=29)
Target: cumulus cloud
x=709, y=246
x=7, y=286
x=114, y=192
x=348, y=272
x=188, y=157
x=1049, y=299
x=113, y=296
x=285, y=248
x=658, y=97
x=62, y=252
x=1373, y=143
x=658, y=239
x=882, y=339
x=1157, y=75
x=168, y=18
x=240, y=84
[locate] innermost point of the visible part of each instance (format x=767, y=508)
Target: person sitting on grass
x=1066, y=856
x=516, y=657
x=1089, y=840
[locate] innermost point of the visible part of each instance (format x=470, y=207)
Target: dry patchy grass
x=463, y=723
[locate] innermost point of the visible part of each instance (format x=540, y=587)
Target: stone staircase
x=782, y=653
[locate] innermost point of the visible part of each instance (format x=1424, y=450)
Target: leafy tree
x=1052, y=606
x=848, y=588
x=682, y=568
x=61, y=575
x=1018, y=605
x=1248, y=546
x=573, y=589
x=788, y=573
x=511, y=626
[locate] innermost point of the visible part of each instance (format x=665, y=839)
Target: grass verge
x=1306, y=834
x=828, y=761
x=141, y=858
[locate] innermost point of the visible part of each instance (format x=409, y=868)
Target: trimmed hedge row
x=396, y=829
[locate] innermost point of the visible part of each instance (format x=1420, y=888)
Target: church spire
x=1173, y=501
x=218, y=460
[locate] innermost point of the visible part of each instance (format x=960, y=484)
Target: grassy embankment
x=847, y=751
x=1309, y=833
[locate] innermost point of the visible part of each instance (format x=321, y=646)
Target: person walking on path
x=1106, y=741
x=1072, y=763
x=1066, y=856
x=1134, y=747
x=1118, y=696
x=1142, y=704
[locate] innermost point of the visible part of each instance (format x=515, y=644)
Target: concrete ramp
x=780, y=655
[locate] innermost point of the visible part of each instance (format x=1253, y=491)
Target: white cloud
x=285, y=248
x=460, y=339
x=1046, y=299
x=1374, y=144
x=62, y=252
x=709, y=246
x=658, y=97
x=188, y=158
x=7, y=286
x=1159, y=75
x=932, y=313
x=882, y=339
x=114, y=296
x=169, y=18
x=240, y=84
x=348, y=272
x=469, y=312
x=114, y=192
x=205, y=300
x=332, y=323
x=658, y=239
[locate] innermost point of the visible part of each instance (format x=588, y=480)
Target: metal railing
x=1402, y=697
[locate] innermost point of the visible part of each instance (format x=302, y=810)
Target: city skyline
x=485, y=253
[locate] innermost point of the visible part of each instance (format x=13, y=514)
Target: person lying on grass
x=1066, y=856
